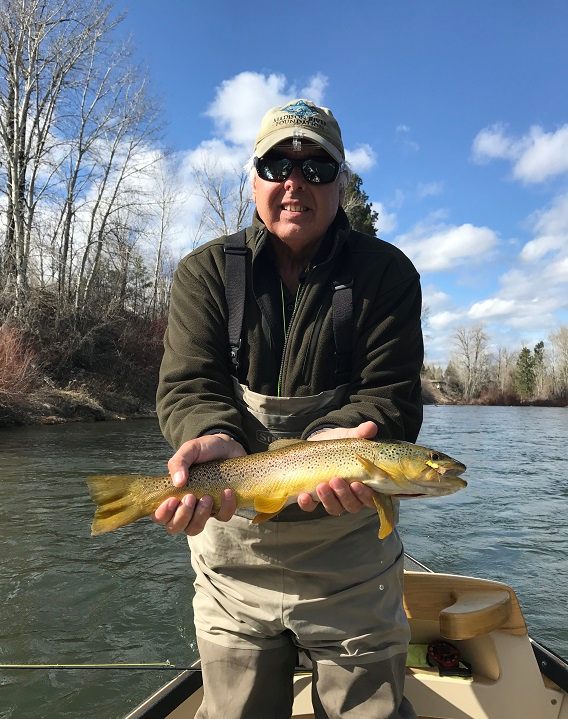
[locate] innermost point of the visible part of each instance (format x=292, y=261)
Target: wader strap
x=342, y=318
x=235, y=289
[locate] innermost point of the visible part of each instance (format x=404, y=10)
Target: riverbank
x=89, y=400
x=78, y=401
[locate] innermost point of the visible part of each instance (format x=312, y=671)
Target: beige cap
x=300, y=119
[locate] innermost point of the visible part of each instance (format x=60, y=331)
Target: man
x=298, y=327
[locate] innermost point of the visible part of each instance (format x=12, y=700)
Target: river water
x=68, y=598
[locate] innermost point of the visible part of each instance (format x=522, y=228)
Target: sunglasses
x=316, y=170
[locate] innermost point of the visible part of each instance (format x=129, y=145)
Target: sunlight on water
x=126, y=596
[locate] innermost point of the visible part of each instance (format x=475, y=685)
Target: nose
x=295, y=180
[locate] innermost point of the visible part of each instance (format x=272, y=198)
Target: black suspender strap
x=235, y=289
x=342, y=318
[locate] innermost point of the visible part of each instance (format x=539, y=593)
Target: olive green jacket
x=195, y=393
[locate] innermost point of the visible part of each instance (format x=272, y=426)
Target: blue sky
x=455, y=114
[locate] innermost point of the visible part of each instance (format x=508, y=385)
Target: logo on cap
x=300, y=108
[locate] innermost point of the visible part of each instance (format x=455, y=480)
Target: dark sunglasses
x=316, y=170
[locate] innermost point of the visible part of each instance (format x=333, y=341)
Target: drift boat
x=470, y=658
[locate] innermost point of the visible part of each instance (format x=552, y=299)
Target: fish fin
x=269, y=505
x=385, y=510
x=116, y=502
x=373, y=470
x=263, y=517
x=286, y=442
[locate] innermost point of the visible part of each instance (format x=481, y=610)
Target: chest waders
x=267, y=417
x=329, y=587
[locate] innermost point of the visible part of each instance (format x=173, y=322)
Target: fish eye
x=434, y=456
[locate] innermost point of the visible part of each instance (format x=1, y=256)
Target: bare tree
x=559, y=369
x=471, y=359
x=123, y=160
x=166, y=202
x=503, y=369
x=42, y=47
x=227, y=198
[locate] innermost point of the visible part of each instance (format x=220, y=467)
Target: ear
x=254, y=179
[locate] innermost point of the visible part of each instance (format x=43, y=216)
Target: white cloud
x=429, y=189
x=551, y=229
x=216, y=154
x=445, y=320
x=315, y=89
x=387, y=221
x=545, y=156
x=443, y=247
x=241, y=101
x=490, y=308
x=403, y=137
x=491, y=143
x=361, y=159
x=535, y=157
x=434, y=298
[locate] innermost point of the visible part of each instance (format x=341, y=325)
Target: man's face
x=296, y=211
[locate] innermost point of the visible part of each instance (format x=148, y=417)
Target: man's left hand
x=337, y=495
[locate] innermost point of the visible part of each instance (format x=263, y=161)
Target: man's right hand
x=189, y=515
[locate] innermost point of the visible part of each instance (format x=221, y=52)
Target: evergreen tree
x=525, y=374
x=358, y=208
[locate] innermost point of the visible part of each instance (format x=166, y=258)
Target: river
x=126, y=596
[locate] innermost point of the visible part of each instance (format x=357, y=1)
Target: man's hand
x=190, y=515
x=338, y=496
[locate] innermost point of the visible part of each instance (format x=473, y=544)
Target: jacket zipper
x=299, y=295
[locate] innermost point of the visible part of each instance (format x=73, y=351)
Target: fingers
x=365, y=430
x=338, y=496
x=189, y=515
x=202, y=449
x=307, y=502
x=228, y=506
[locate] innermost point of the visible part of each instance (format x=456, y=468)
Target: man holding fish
x=298, y=327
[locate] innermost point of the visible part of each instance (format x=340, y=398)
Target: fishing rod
x=167, y=665
x=148, y=666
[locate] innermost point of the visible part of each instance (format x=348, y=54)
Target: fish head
x=420, y=471
x=432, y=473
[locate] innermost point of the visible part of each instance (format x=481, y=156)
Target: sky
x=454, y=113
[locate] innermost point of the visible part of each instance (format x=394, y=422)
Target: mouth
x=295, y=208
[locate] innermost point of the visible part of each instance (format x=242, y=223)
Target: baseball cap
x=301, y=119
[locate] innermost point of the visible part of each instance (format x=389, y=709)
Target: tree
x=559, y=369
x=525, y=374
x=43, y=46
x=472, y=360
x=358, y=208
x=539, y=368
x=227, y=200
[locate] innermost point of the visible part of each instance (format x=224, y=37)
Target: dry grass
x=19, y=369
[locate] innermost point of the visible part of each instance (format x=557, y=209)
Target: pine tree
x=525, y=377
x=358, y=208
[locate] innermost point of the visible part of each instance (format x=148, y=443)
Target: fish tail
x=116, y=502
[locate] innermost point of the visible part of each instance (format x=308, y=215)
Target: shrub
x=19, y=370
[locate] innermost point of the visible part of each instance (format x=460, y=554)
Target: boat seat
x=463, y=607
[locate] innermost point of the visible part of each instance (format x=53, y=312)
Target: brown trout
x=269, y=481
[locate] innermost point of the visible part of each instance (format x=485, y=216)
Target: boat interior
x=501, y=673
